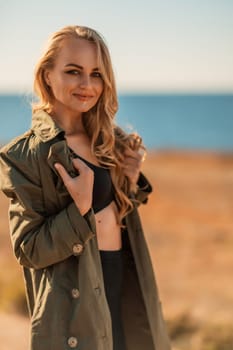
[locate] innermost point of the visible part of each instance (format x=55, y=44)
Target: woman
x=74, y=184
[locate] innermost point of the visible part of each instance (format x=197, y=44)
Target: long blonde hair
x=108, y=141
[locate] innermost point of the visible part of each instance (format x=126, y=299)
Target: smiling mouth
x=83, y=98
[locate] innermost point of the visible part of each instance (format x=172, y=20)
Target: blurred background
x=174, y=73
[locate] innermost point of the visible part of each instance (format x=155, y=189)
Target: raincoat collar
x=44, y=126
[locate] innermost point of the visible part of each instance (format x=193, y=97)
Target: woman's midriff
x=107, y=229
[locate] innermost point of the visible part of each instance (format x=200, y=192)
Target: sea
x=165, y=121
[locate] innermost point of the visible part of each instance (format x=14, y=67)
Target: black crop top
x=103, y=190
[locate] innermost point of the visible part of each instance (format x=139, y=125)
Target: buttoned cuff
x=84, y=226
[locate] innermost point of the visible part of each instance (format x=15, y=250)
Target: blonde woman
x=74, y=184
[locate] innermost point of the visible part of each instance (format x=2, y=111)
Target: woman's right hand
x=80, y=187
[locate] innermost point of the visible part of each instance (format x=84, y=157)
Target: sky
x=155, y=45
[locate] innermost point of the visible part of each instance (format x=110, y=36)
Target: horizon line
x=140, y=92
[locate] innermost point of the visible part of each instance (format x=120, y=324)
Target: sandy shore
x=188, y=223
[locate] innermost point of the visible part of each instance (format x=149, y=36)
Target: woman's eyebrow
x=79, y=67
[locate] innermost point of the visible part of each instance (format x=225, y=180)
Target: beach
x=188, y=224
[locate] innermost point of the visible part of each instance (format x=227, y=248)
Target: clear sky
x=156, y=45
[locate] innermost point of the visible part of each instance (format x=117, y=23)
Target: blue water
x=164, y=121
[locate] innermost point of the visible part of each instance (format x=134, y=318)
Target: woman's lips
x=83, y=98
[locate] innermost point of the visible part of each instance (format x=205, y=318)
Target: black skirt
x=112, y=265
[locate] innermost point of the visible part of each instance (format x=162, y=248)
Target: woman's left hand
x=132, y=165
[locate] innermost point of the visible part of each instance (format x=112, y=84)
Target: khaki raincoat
x=57, y=247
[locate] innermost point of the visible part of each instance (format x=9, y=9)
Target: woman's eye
x=73, y=72
x=96, y=75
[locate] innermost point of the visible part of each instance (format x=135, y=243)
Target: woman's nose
x=84, y=81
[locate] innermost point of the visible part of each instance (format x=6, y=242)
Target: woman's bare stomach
x=107, y=229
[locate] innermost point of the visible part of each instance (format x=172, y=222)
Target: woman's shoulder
x=16, y=148
x=22, y=146
x=38, y=138
x=17, y=159
x=24, y=155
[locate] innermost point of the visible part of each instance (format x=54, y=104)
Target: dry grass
x=187, y=334
x=189, y=224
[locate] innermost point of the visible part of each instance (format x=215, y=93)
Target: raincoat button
x=72, y=342
x=75, y=293
x=77, y=249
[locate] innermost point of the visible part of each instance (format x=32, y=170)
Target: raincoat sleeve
x=39, y=240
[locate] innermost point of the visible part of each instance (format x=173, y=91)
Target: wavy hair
x=108, y=141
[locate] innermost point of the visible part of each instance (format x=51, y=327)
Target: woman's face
x=75, y=79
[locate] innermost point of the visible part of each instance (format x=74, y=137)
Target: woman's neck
x=71, y=124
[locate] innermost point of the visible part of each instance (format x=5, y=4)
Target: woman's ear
x=47, y=77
